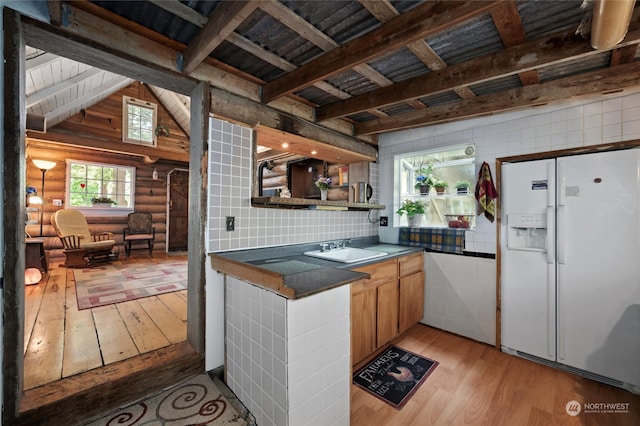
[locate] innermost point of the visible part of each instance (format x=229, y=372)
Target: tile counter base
x=288, y=360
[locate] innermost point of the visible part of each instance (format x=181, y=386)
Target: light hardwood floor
x=475, y=384
x=61, y=341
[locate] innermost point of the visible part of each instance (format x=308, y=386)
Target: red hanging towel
x=486, y=192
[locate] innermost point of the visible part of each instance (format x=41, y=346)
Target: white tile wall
x=462, y=300
x=319, y=355
x=612, y=119
x=460, y=295
x=288, y=361
x=256, y=351
x=229, y=186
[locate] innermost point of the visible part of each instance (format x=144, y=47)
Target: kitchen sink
x=389, y=248
x=346, y=255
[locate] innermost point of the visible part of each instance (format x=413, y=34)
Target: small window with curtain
x=94, y=186
x=139, y=120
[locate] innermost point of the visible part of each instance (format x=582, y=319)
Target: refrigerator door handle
x=562, y=241
x=551, y=184
x=551, y=252
x=551, y=311
x=561, y=182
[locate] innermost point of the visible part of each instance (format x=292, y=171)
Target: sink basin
x=389, y=248
x=346, y=255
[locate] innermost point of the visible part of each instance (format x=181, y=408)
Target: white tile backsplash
x=229, y=186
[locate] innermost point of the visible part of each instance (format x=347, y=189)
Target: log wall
x=150, y=195
x=276, y=178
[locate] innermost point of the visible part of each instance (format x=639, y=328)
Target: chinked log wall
x=150, y=195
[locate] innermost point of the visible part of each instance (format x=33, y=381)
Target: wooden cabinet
x=363, y=324
x=386, y=304
x=387, y=320
x=374, y=309
x=411, y=299
x=411, y=290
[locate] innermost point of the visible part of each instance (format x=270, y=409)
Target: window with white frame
x=442, y=181
x=89, y=183
x=139, y=121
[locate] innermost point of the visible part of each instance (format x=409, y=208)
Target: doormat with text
x=394, y=375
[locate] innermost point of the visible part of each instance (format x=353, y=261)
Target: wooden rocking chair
x=81, y=247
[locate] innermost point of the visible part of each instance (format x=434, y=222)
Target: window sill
x=105, y=211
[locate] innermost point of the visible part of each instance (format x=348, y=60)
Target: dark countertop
x=301, y=275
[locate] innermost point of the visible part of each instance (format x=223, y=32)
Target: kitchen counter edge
x=295, y=286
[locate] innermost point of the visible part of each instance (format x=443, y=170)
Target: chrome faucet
x=334, y=245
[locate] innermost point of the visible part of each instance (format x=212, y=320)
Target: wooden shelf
x=305, y=203
x=142, y=179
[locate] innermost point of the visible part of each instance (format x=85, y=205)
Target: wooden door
x=411, y=300
x=178, y=220
x=387, y=312
x=363, y=325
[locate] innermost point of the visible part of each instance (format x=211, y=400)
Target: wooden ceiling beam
x=42, y=60
x=383, y=11
x=623, y=55
x=299, y=25
x=254, y=114
x=39, y=96
x=420, y=22
x=550, y=49
x=108, y=87
x=509, y=25
x=588, y=84
x=94, y=42
x=117, y=46
x=181, y=10
x=55, y=11
x=227, y=16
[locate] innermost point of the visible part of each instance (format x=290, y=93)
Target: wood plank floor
x=61, y=341
x=475, y=384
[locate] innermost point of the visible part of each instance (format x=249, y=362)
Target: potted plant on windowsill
x=462, y=186
x=414, y=210
x=424, y=179
x=102, y=202
x=440, y=186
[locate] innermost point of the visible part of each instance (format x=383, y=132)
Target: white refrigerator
x=570, y=263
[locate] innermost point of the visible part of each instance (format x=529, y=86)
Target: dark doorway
x=178, y=221
x=302, y=175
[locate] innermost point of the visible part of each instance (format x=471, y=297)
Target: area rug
x=115, y=283
x=394, y=375
x=196, y=401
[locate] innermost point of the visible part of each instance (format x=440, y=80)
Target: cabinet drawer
x=379, y=272
x=411, y=264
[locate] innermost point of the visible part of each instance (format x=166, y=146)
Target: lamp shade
x=32, y=276
x=34, y=199
x=44, y=164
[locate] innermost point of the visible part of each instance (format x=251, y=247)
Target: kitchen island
x=288, y=331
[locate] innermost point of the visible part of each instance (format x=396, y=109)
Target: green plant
x=411, y=208
x=424, y=176
x=462, y=184
x=440, y=183
x=102, y=200
x=323, y=182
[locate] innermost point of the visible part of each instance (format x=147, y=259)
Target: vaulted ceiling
x=362, y=68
